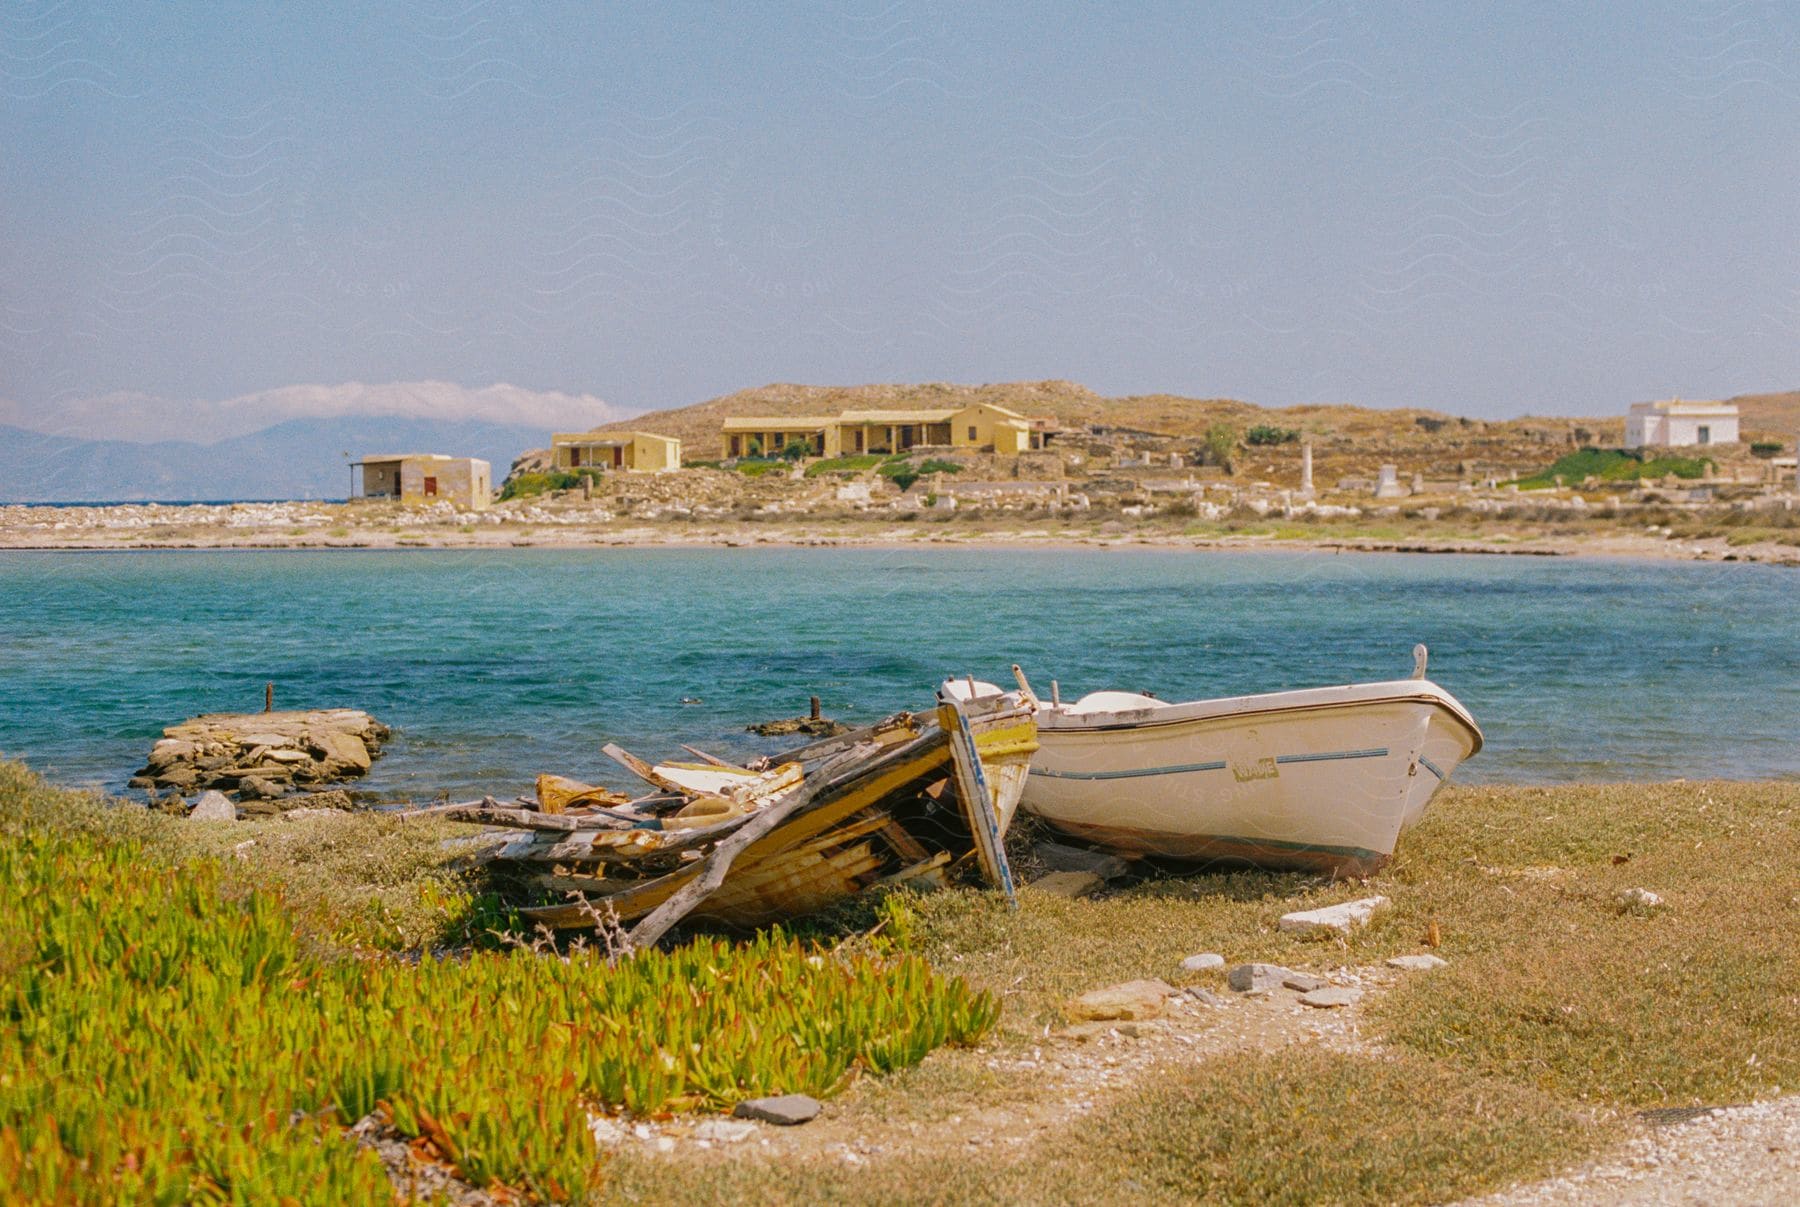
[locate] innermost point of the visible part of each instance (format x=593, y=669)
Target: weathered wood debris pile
x=916, y=799
x=263, y=755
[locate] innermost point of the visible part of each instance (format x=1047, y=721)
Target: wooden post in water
x=815, y=707
x=268, y=697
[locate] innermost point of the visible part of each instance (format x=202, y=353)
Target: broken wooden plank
x=714, y=759
x=904, y=844
x=717, y=864
x=446, y=807
x=923, y=869
x=977, y=802
x=531, y=819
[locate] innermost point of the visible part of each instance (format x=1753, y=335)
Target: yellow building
x=644, y=452
x=853, y=433
x=425, y=478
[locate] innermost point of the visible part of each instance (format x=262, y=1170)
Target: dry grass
x=1560, y=1010
x=1301, y=1125
x=1552, y=983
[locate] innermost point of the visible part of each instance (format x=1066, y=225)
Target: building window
x=1705, y=434
x=972, y=436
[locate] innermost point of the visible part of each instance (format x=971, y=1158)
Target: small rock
x=1330, y=998
x=1332, y=919
x=1638, y=898
x=785, y=1109
x=1203, y=961
x=1061, y=858
x=1305, y=982
x=1256, y=978
x=213, y=806
x=1206, y=997
x=1130, y=1000
x=257, y=786
x=1066, y=884
x=724, y=1131
x=265, y=739
x=1081, y=1033
x=1418, y=963
x=343, y=748
x=169, y=751
x=288, y=756
x=242, y=849
x=606, y=1133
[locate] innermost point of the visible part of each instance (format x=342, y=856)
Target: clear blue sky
x=1485, y=209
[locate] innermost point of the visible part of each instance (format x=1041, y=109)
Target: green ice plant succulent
x=169, y=1036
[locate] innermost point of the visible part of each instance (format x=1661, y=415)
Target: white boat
x=1324, y=779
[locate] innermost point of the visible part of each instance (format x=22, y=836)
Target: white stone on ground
x=213, y=806
x=1419, y=963
x=724, y=1131
x=1257, y=978
x=1130, y=1000
x=1203, y=961
x=1332, y=919
x=785, y=1109
x=1330, y=997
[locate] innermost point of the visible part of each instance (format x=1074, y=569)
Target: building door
x=1705, y=434
x=906, y=437
x=859, y=440
x=430, y=486
x=618, y=457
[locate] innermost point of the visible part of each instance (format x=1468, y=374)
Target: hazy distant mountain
x=299, y=459
x=149, y=417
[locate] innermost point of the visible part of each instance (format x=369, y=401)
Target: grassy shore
x=1561, y=1012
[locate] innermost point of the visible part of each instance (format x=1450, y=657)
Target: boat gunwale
x=1057, y=719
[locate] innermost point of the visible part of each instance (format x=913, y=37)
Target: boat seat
x=1115, y=702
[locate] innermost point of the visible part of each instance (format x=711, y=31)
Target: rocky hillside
x=1774, y=416
x=1349, y=439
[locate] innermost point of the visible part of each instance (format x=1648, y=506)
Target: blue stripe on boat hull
x=1185, y=768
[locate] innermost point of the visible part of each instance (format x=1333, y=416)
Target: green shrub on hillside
x=1613, y=465
x=524, y=486
x=841, y=465
x=1221, y=445
x=756, y=467
x=1263, y=433
x=903, y=473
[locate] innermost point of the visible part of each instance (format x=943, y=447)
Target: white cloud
x=145, y=417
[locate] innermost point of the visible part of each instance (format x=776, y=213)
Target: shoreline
x=1609, y=546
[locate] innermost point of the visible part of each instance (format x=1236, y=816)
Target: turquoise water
x=493, y=666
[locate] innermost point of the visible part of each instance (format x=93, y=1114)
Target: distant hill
x=1166, y=414
x=1773, y=415
x=298, y=459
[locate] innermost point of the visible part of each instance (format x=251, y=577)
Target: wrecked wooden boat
x=920, y=799
x=1324, y=779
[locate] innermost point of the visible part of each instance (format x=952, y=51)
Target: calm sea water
x=493, y=666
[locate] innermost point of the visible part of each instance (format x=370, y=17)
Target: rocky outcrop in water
x=265, y=755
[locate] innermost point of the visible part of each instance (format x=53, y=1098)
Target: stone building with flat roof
x=424, y=478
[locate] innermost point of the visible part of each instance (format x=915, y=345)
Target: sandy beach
x=556, y=524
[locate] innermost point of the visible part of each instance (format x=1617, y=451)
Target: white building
x=1675, y=424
